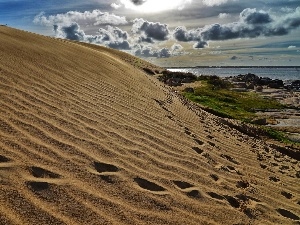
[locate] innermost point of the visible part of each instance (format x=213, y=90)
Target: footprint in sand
x=287, y=214
x=38, y=186
x=186, y=185
x=194, y=194
x=198, y=150
x=232, y=201
x=287, y=195
x=209, y=158
x=215, y=195
x=263, y=166
x=211, y=144
x=243, y=184
x=199, y=142
x=230, y=159
x=214, y=177
x=104, y=167
x=39, y=172
x=4, y=159
x=188, y=132
x=274, y=179
x=148, y=185
x=182, y=184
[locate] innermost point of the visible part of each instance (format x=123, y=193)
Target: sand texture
x=87, y=138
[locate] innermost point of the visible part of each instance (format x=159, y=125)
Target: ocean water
x=285, y=74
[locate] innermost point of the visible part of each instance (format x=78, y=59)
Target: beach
x=87, y=136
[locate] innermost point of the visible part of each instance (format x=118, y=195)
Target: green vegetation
x=277, y=135
x=216, y=95
x=231, y=104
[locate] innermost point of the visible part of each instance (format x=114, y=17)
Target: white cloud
x=116, y=6
x=215, y=2
x=154, y=5
x=95, y=17
x=292, y=46
x=224, y=15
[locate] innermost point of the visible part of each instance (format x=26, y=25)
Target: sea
x=286, y=74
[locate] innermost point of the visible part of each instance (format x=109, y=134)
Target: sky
x=171, y=33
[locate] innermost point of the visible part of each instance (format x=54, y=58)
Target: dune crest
x=88, y=138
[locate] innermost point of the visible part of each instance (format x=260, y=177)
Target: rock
x=261, y=121
x=251, y=86
x=189, y=90
x=259, y=88
x=275, y=84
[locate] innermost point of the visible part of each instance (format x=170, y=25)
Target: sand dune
x=88, y=138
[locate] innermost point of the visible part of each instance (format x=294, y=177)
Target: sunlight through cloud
x=153, y=6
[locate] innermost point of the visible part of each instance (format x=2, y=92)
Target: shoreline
x=195, y=67
x=284, y=73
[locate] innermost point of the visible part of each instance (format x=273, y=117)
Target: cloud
x=154, y=5
x=150, y=31
x=195, y=35
x=112, y=37
x=148, y=51
x=138, y=2
x=252, y=23
x=215, y=2
x=115, y=5
x=95, y=17
x=292, y=46
x=224, y=15
x=252, y=16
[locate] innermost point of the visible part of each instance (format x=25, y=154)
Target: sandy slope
x=86, y=138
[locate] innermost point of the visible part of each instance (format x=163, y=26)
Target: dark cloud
x=146, y=39
x=252, y=16
x=112, y=37
x=148, y=51
x=72, y=32
x=138, y=2
x=124, y=45
x=150, y=31
x=200, y=44
x=252, y=24
x=181, y=34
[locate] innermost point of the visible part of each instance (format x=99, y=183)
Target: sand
x=88, y=138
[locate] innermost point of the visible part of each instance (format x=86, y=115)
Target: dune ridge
x=86, y=137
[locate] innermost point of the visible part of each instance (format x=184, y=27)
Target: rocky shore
x=286, y=92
